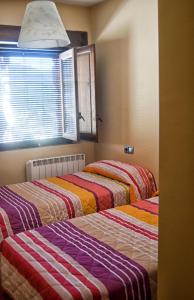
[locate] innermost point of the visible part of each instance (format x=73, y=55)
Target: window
x=46, y=97
x=78, y=89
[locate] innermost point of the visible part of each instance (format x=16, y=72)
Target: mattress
x=107, y=255
x=29, y=205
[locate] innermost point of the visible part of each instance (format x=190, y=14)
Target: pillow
x=141, y=178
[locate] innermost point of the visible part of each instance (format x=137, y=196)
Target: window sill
x=34, y=144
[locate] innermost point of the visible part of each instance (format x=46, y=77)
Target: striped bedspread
x=29, y=205
x=107, y=255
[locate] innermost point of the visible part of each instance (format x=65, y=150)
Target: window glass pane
x=84, y=91
x=70, y=126
x=30, y=98
x=69, y=92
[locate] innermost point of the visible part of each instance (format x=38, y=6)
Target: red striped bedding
x=107, y=255
x=29, y=205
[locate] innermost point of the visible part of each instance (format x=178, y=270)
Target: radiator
x=54, y=166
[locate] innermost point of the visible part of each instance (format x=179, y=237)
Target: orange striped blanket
x=107, y=255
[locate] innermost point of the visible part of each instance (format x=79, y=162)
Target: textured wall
x=126, y=37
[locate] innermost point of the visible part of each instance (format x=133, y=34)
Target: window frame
x=74, y=53
x=71, y=53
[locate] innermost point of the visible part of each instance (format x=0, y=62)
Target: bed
x=102, y=185
x=111, y=254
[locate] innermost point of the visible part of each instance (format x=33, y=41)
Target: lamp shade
x=42, y=27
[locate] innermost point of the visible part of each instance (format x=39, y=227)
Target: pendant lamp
x=42, y=26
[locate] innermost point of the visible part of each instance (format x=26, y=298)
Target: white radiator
x=54, y=166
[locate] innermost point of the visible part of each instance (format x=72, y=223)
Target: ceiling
x=80, y=2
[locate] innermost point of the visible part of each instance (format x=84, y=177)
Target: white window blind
x=30, y=98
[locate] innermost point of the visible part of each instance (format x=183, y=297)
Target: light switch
x=128, y=149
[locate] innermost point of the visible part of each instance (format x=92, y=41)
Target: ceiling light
x=42, y=26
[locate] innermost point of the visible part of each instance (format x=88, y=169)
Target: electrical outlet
x=128, y=149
